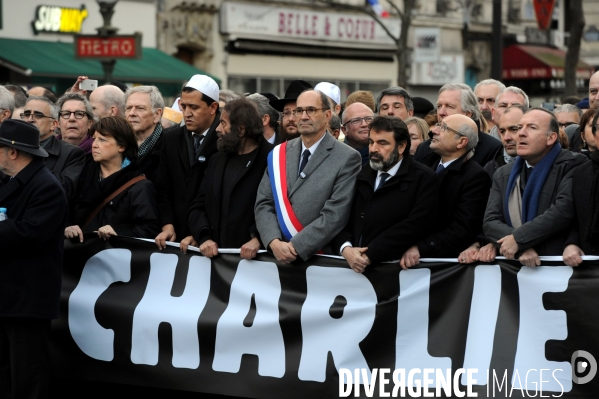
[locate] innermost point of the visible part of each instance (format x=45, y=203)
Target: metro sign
x=544, y=12
x=108, y=48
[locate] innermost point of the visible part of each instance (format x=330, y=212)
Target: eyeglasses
x=311, y=111
x=444, y=127
x=67, y=114
x=36, y=115
x=565, y=125
x=287, y=114
x=358, y=121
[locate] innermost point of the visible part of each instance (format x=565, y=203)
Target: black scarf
x=593, y=231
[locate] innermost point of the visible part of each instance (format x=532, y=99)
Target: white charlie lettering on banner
x=182, y=313
x=483, y=320
x=537, y=326
x=322, y=333
x=264, y=338
x=101, y=270
x=412, y=323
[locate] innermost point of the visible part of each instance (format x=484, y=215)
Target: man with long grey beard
x=395, y=201
x=222, y=214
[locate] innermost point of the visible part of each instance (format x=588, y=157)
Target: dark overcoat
x=206, y=212
x=396, y=216
x=463, y=192
x=179, y=179
x=31, y=242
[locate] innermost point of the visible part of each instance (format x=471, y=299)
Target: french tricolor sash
x=277, y=171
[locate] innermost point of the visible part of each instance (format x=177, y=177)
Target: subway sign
x=108, y=47
x=54, y=19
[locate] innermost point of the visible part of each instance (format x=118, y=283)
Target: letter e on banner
x=538, y=325
x=264, y=338
x=341, y=336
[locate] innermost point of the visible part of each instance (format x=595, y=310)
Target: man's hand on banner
x=73, y=231
x=410, y=258
x=105, y=232
x=168, y=234
x=572, y=255
x=356, y=258
x=487, y=253
x=509, y=246
x=249, y=250
x=530, y=258
x=470, y=254
x=186, y=242
x=209, y=248
x=283, y=251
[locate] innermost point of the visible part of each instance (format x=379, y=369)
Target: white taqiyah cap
x=204, y=84
x=331, y=90
x=175, y=105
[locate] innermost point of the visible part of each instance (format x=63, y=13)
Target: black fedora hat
x=296, y=87
x=21, y=135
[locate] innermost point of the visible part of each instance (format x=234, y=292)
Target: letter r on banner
x=159, y=306
x=322, y=333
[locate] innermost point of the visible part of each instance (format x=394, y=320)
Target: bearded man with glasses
x=64, y=160
x=304, y=197
x=356, y=119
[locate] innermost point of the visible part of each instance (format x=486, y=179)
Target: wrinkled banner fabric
x=135, y=315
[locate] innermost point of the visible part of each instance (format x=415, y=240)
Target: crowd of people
x=393, y=178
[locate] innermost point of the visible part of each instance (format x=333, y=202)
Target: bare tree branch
x=397, y=10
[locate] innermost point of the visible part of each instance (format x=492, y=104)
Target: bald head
x=356, y=119
x=457, y=135
x=107, y=100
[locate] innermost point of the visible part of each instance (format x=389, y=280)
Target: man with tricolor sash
x=304, y=197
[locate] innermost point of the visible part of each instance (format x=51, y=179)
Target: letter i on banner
x=412, y=337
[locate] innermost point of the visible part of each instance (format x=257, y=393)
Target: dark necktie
x=440, y=168
x=305, y=157
x=384, y=177
x=197, y=141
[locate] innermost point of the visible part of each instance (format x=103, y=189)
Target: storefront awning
x=536, y=62
x=57, y=60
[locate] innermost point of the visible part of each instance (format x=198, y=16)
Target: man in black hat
x=286, y=105
x=31, y=242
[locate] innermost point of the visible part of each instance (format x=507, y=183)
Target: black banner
x=134, y=315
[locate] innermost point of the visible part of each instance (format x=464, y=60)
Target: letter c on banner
x=101, y=270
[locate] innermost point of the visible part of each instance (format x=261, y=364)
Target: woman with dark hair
x=113, y=197
x=586, y=131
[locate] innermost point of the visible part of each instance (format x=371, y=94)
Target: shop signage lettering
x=53, y=19
x=277, y=23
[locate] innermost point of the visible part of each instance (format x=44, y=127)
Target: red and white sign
x=310, y=27
x=96, y=47
x=544, y=12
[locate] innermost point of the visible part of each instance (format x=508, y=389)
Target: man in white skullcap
x=187, y=150
x=333, y=93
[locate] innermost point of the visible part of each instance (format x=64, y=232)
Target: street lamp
x=106, y=30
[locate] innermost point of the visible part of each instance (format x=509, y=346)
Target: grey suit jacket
x=548, y=231
x=321, y=201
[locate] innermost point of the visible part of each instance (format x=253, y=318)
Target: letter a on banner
x=264, y=337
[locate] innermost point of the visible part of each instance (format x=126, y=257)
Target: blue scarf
x=532, y=191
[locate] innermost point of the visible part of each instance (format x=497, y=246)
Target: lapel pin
x=202, y=158
x=303, y=175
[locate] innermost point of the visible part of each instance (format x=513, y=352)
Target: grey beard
x=385, y=164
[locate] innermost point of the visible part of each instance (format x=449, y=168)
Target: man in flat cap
x=185, y=155
x=31, y=242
